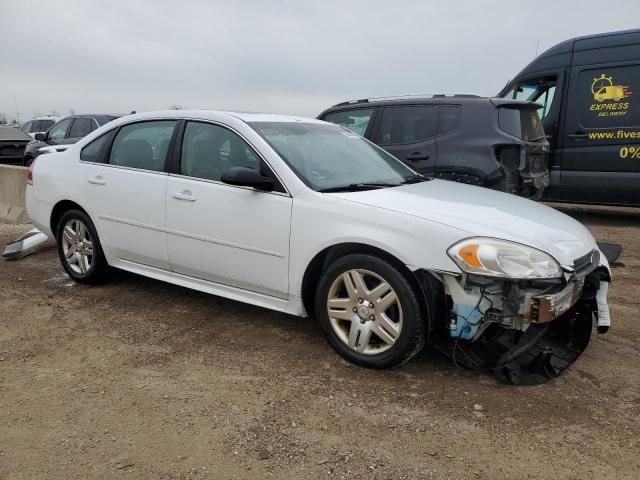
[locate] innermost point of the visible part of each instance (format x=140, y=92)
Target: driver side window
x=540, y=90
x=59, y=130
x=210, y=150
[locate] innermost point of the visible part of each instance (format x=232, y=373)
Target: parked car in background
x=306, y=217
x=12, y=144
x=39, y=124
x=589, y=92
x=488, y=142
x=67, y=131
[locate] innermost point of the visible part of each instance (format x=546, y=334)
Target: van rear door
x=601, y=135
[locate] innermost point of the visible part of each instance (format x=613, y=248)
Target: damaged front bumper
x=525, y=332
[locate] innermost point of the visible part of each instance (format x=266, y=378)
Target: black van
x=589, y=89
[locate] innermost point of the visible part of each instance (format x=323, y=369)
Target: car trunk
x=12, y=144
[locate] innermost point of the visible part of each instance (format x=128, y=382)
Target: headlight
x=501, y=258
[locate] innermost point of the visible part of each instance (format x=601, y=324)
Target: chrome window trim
x=286, y=193
x=219, y=182
x=122, y=167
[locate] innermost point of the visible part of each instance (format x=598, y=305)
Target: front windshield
x=328, y=156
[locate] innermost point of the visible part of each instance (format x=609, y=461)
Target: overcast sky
x=292, y=56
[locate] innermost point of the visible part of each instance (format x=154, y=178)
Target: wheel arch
x=59, y=209
x=422, y=285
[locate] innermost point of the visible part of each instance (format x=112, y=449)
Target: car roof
x=246, y=117
x=46, y=117
x=438, y=99
x=101, y=118
x=563, y=54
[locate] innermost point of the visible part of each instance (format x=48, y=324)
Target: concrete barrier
x=13, y=181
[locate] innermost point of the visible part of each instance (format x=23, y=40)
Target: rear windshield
x=523, y=123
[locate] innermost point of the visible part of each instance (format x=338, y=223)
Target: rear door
x=126, y=191
x=81, y=127
x=546, y=89
x=601, y=156
x=408, y=132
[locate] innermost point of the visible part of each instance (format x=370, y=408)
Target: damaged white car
x=307, y=218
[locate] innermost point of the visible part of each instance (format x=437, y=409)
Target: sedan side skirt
x=226, y=291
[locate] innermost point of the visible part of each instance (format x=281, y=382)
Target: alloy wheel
x=364, y=311
x=77, y=246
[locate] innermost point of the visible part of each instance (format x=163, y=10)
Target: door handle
x=185, y=195
x=578, y=135
x=98, y=180
x=415, y=156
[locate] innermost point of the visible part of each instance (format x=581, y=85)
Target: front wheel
x=369, y=311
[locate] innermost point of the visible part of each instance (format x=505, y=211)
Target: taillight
x=30, y=174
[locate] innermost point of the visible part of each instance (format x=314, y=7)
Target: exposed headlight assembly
x=500, y=258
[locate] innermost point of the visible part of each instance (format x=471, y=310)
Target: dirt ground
x=141, y=379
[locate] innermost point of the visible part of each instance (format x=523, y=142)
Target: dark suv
x=67, y=131
x=490, y=142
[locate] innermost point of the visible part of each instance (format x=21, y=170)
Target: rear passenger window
x=448, y=118
x=81, y=127
x=407, y=125
x=355, y=120
x=91, y=152
x=210, y=150
x=142, y=145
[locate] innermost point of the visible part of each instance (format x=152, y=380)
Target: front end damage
x=524, y=331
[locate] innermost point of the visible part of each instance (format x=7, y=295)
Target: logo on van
x=607, y=97
x=604, y=89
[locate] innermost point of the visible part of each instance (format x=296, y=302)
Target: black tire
x=411, y=338
x=28, y=160
x=96, y=268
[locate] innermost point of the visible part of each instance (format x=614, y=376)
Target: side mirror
x=247, y=177
x=40, y=136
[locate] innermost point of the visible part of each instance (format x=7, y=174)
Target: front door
x=235, y=236
x=127, y=193
x=58, y=132
x=409, y=133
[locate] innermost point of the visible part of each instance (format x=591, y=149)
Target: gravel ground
x=142, y=379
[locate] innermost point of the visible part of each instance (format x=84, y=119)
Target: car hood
x=484, y=212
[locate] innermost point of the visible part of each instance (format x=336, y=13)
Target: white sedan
x=308, y=218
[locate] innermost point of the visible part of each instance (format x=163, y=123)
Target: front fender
x=317, y=225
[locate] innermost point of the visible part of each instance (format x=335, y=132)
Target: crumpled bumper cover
x=558, y=329
x=539, y=354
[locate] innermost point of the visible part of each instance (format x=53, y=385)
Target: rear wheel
x=79, y=248
x=369, y=311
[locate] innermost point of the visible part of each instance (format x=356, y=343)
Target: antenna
x=15, y=99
